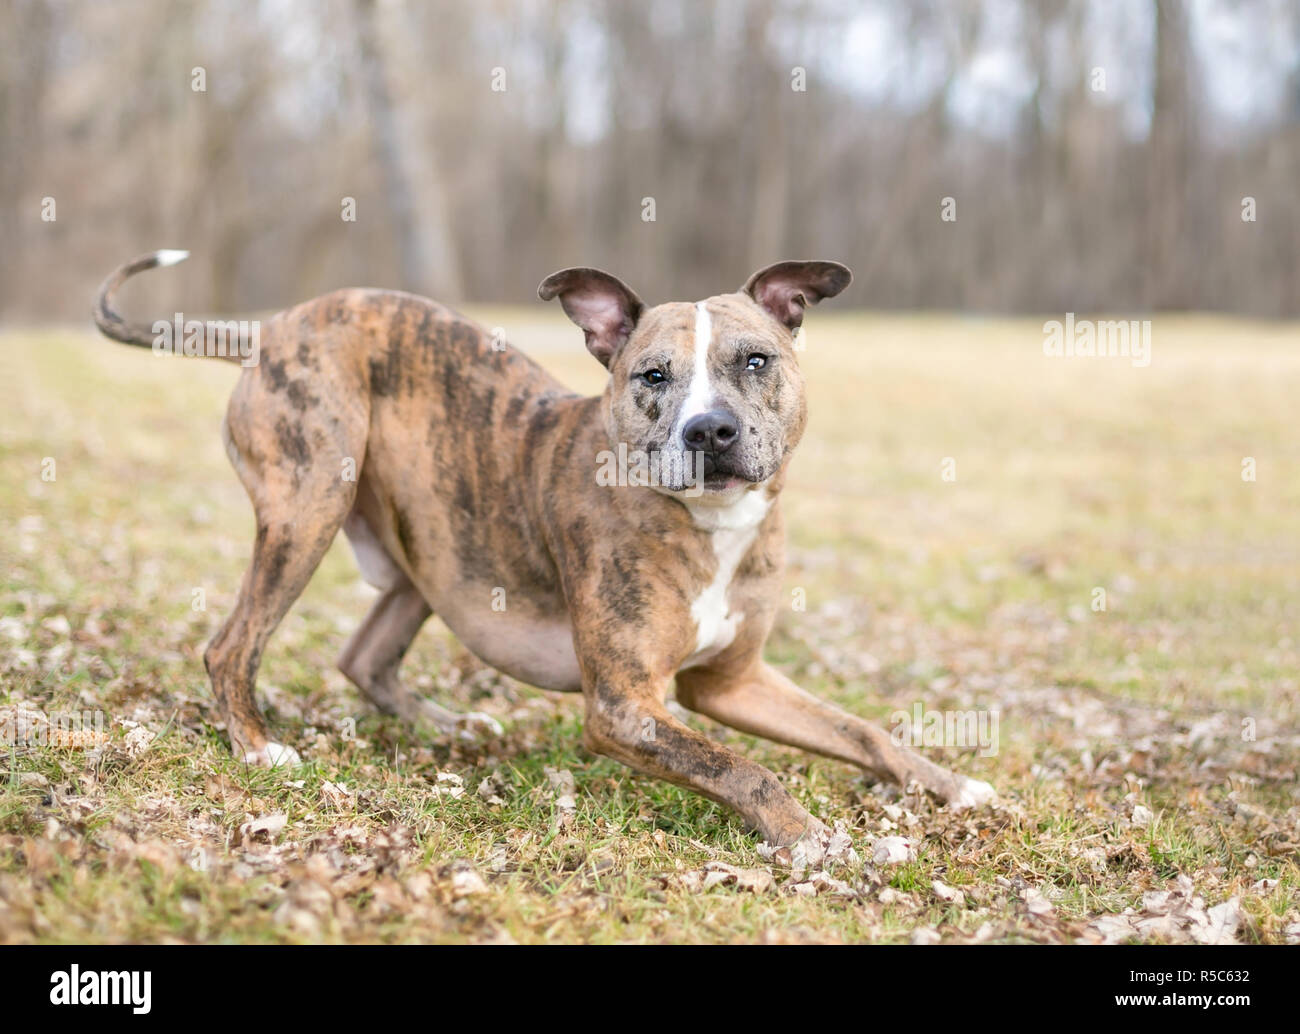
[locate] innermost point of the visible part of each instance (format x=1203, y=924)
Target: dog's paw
x=971, y=793
x=819, y=847
x=273, y=755
x=809, y=851
x=476, y=725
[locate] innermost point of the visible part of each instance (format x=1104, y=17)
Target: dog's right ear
x=602, y=305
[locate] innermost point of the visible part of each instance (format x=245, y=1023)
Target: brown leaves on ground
x=1122, y=819
x=1177, y=915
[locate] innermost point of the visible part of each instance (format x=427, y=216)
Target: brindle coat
x=476, y=497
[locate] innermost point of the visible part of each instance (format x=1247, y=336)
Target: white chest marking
x=700, y=394
x=732, y=531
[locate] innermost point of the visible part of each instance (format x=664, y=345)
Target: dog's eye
x=756, y=361
x=653, y=377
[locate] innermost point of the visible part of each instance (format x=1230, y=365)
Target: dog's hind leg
x=373, y=656
x=291, y=467
x=283, y=561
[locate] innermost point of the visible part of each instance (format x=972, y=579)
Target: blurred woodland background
x=1098, y=153
x=1098, y=156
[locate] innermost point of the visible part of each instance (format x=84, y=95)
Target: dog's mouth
x=723, y=481
x=699, y=473
x=722, y=477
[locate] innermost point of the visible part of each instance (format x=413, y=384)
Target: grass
x=1121, y=756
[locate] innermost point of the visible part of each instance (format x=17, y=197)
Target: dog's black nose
x=713, y=431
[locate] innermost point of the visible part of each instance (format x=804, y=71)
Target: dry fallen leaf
x=465, y=882
x=892, y=896
x=137, y=741
x=493, y=787
x=720, y=874
x=449, y=784
x=1178, y=915
x=336, y=795
x=1036, y=904
x=566, y=805
x=267, y=826
x=823, y=882
x=946, y=893
x=893, y=850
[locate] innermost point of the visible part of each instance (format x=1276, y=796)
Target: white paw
x=273, y=755
x=972, y=794
x=475, y=724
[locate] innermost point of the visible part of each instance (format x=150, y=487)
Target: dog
x=474, y=495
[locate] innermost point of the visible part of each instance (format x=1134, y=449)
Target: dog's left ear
x=602, y=305
x=787, y=288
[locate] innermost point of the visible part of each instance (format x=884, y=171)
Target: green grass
x=1071, y=475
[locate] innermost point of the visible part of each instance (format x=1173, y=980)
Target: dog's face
x=709, y=394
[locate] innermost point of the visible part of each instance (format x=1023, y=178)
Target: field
x=1075, y=544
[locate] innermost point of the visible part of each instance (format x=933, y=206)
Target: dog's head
x=711, y=386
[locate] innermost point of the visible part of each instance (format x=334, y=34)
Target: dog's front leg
x=629, y=722
x=762, y=701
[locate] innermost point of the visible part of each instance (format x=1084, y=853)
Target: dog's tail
x=108, y=321
x=223, y=339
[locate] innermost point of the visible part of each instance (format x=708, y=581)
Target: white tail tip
x=169, y=257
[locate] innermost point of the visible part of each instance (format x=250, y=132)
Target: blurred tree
x=487, y=144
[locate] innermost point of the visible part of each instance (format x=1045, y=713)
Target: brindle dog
x=476, y=496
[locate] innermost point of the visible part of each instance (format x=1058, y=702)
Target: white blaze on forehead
x=700, y=394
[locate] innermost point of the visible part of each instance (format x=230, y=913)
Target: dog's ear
x=787, y=288
x=602, y=305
